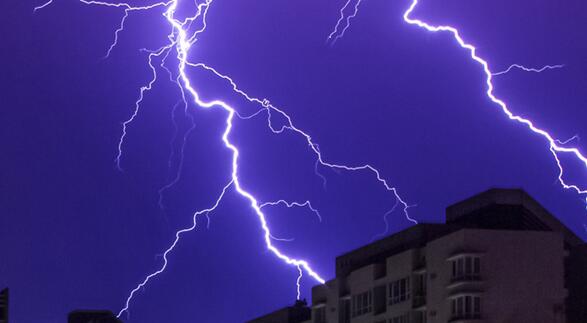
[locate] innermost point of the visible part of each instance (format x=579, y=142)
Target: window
x=400, y=319
x=379, y=299
x=466, y=268
x=320, y=315
x=466, y=307
x=362, y=303
x=399, y=291
x=420, y=284
x=420, y=317
x=419, y=289
x=345, y=311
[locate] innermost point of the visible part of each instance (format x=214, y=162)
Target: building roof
x=377, y=252
x=507, y=209
x=494, y=209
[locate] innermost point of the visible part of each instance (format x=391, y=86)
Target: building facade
x=499, y=258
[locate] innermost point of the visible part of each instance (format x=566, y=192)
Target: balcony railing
x=465, y=317
x=466, y=278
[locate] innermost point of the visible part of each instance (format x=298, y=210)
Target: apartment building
x=499, y=258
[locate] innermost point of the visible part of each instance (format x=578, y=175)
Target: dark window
x=420, y=317
x=466, y=268
x=405, y=318
x=320, y=315
x=345, y=314
x=362, y=303
x=420, y=284
x=466, y=307
x=399, y=291
x=379, y=299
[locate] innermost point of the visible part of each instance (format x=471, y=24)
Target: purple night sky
x=76, y=232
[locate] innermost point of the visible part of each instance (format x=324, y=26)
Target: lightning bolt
x=178, y=234
x=181, y=39
x=183, y=43
x=306, y=204
x=386, y=229
x=116, y=32
x=183, y=46
x=298, y=282
x=178, y=173
x=554, y=145
x=137, y=107
x=289, y=125
x=528, y=69
x=347, y=22
x=564, y=142
x=42, y=6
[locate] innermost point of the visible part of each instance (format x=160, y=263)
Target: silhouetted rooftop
x=92, y=316
x=507, y=209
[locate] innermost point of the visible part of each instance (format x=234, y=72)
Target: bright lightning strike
x=298, y=283
x=311, y=144
x=528, y=69
x=183, y=46
x=183, y=43
x=181, y=40
x=555, y=146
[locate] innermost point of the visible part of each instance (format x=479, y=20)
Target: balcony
x=464, y=279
